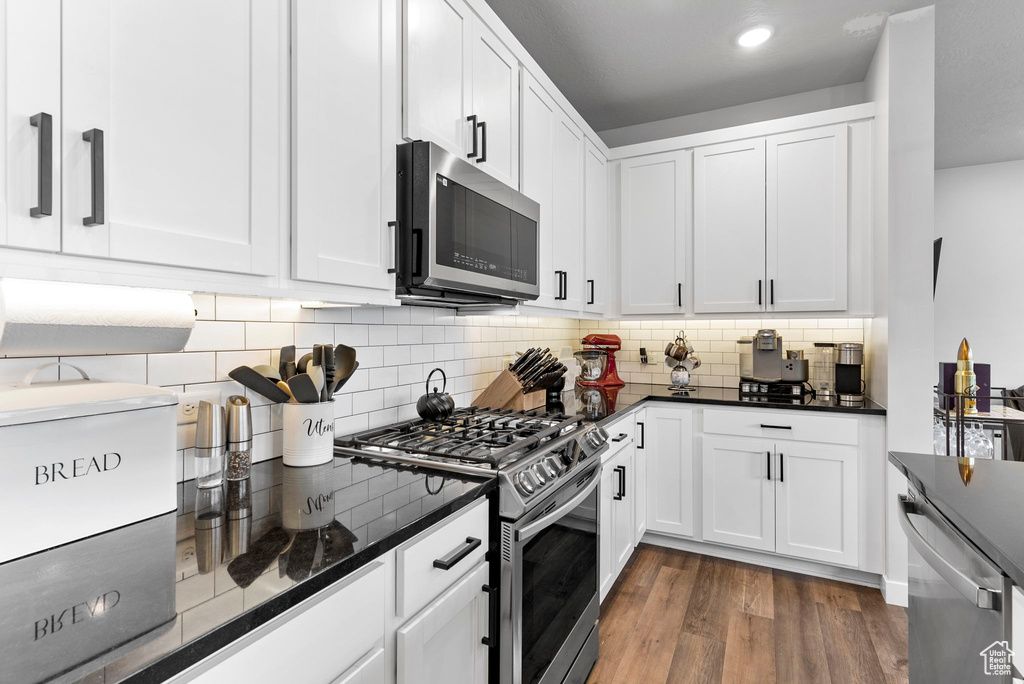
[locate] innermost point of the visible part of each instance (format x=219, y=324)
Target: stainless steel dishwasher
x=959, y=611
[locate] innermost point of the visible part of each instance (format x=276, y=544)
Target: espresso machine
x=597, y=361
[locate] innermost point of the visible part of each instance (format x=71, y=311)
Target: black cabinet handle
x=760, y=292
x=622, y=482
x=772, y=281
x=621, y=472
x=95, y=137
x=643, y=437
x=620, y=437
x=44, y=122
x=558, y=277
x=565, y=285
x=472, y=119
x=453, y=558
x=591, y=292
x=483, y=145
x=768, y=460
x=492, y=616
x=782, y=467
x=776, y=427
x=679, y=293
x=394, y=224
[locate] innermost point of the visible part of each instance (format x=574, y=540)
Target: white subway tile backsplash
x=182, y=368
x=111, y=368
x=421, y=315
x=291, y=311
x=383, y=334
x=206, y=306
x=228, y=361
x=353, y=335
x=242, y=308
x=397, y=355
x=368, y=314
x=308, y=334
x=269, y=335
x=13, y=371
x=217, y=336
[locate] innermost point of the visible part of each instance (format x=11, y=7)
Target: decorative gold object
x=965, y=382
x=966, y=468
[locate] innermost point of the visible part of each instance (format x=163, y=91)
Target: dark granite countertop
x=602, y=404
x=146, y=601
x=986, y=511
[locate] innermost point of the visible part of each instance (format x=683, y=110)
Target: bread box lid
x=37, y=402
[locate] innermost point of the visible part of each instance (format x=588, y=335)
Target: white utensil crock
x=308, y=433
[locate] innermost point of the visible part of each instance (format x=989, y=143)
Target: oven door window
x=559, y=582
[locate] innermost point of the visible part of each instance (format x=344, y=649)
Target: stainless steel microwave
x=463, y=238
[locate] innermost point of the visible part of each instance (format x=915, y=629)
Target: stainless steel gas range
x=548, y=468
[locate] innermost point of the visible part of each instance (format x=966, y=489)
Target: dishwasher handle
x=982, y=597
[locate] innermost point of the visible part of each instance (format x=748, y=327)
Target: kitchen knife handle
x=643, y=437
x=44, y=122
x=472, y=120
x=591, y=292
x=768, y=460
x=94, y=136
x=483, y=142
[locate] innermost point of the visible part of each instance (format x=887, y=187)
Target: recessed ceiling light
x=755, y=36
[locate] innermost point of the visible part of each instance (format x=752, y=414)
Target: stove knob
x=539, y=473
x=524, y=484
x=548, y=469
x=555, y=465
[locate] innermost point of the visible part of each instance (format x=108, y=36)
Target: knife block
x=506, y=392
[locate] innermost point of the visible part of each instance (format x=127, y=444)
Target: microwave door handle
x=980, y=596
x=551, y=518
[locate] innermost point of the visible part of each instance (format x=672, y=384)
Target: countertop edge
x=851, y=410
x=975, y=536
x=178, y=661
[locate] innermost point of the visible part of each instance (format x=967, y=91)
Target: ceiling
x=622, y=63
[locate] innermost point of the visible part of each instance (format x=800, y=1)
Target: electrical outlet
x=188, y=404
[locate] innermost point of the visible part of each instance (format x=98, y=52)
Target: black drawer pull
x=643, y=436
x=492, y=616
x=622, y=436
x=44, y=122
x=453, y=558
x=777, y=427
x=782, y=467
x=768, y=461
x=94, y=136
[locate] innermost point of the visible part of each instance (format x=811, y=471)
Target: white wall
x=979, y=214
x=901, y=81
x=753, y=112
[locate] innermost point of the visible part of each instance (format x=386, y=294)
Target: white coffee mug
x=308, y=433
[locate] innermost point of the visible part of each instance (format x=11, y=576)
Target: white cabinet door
x=30, y=142
x=639, y=484
x=344, y=127
x=665, y=439
x=739, y=492
x=369, y=670
x=605, y=564
x=537, y=182
x=595, y=215
x=442, y=644
x=495, y=98
x=655, y=202
x=807, y=220
x=567, y=217
x=729, y=227
x=816, y=502
x=191, y=98
x=617, y=506
x=437, y=73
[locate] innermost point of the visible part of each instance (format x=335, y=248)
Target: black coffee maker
x=850, y=383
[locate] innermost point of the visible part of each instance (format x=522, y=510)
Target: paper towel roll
x=40, y=318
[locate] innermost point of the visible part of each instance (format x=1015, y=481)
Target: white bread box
x=80, y=458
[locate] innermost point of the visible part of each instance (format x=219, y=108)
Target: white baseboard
x=769, y=560
x=896, y=593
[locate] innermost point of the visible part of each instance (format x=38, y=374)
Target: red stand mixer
x=597, y=361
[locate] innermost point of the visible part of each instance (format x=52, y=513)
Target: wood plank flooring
x=680, y=617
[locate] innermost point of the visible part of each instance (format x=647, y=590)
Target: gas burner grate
x=487, y=437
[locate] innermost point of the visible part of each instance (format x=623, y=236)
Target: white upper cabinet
x=807, y=220
x=461, y=86
x=567, y=217
x=188, y=98
x=30, y=142
x=597, y=293
x=729, y=227
x=438, y=72
x=344, y=128
x=495, y=105
x=539, y=114
x=655, y=203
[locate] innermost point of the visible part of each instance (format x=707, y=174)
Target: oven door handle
x=539, y=525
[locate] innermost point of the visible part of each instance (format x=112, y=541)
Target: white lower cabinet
x=665, y=441
x=738, y=492
x=617, y=506
x=639, y=482
x=792, y=498
x=319, y=638
x=443, y=644
x=369, y=670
